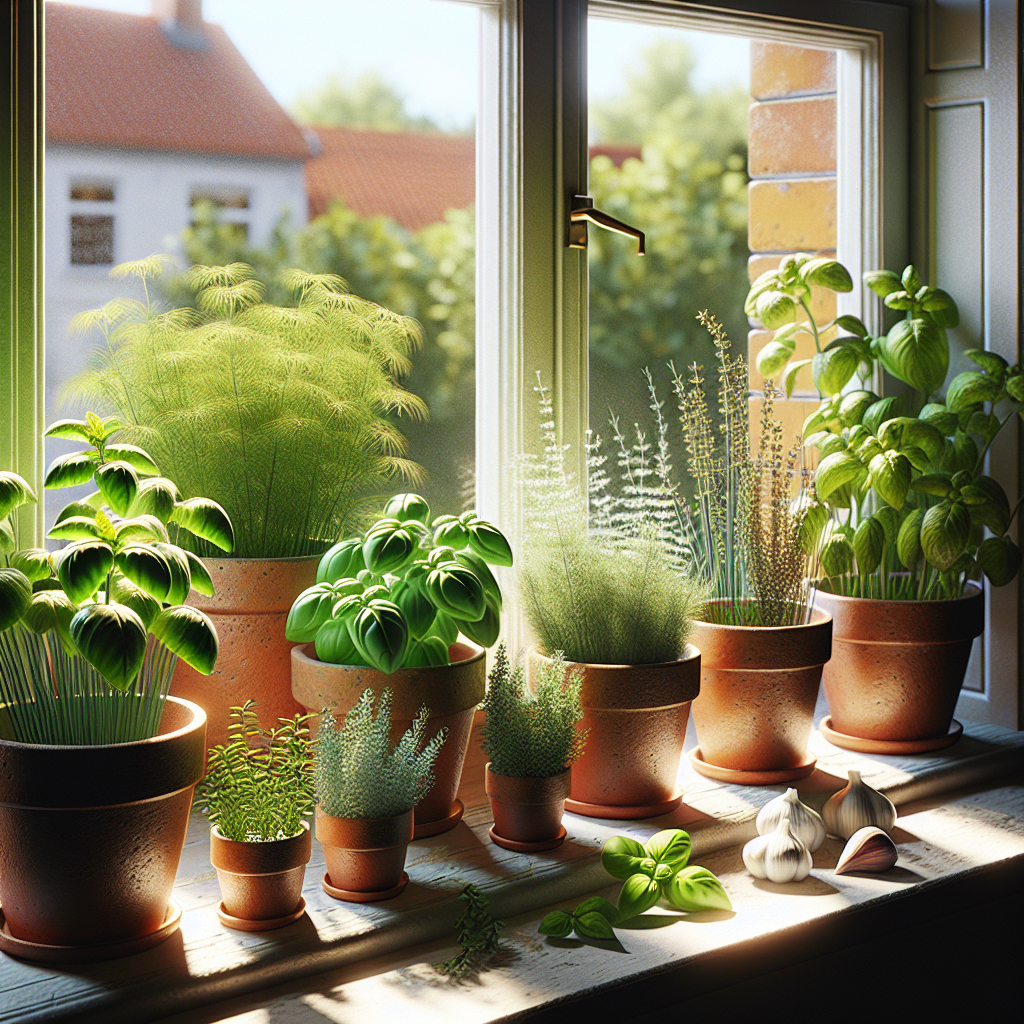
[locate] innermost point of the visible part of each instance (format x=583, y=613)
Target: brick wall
x=792, y=205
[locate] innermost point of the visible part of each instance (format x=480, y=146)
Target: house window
x=92, y=231
x=228, y=207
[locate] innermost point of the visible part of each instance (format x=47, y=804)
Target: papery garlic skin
x=779, y=856
x=857, y=806
x=804, y=822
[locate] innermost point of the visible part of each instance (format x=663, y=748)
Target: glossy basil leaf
x=881, y=411
x=205, y=518
x=834, y=368
x=388, y=550
x=342, y=561
x=15, y=596
x=14, y=492
x=189, y=634
x=112, y=638
x=8, y=542
x=33, y=562
x=426, y=653
x=789, y=380
x=407, y=506
x=772, y=358
x=868, y=545
x=416, y=606
x=994, y=511
x=853, y=405
x=916, y=352
x=142, y=528
x=1000, y=560
x=937, y=484
x=155, y=496
x=965, y=451
x=456, y=591
x=181, y=572
x=593, y=925
x=489, y=543
x=82, y=568
x=485, y=630
x=969, y=388
x=774, y=308
x=837, y=555
x=380, y=635
x=70, y=471
x=309, y=611
x=558, y=923
x=945, y=530
x=827, y=273
x=1015, y=387
x=123, y=591
x=889, y=476
x=852, y=324
x=445, y=629
x=882, y=282
x=695, y=888
x=599, y=905
x=50, y=610
x=837, y=470
x=472, y=561
x=908, y=539
x=333, y=644
x=76, y=528
x=134, y=456
x=622, y=856
x=147, y=568
x=118, y=483
x=940, y=307
x=938, y=416
x=812, y=518
x=639, y=893
x=69, y=430
x=449, y=532
x=670, y=846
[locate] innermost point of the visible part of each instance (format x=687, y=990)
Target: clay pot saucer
x=426, y=829
x=40, y=952
x=750, y=777
x=351, y=896
x=243, y=924
x=539, y=847
x=623, y=812
x=868, y=746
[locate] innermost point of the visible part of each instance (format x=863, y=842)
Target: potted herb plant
x=909, y=502
x=97, y=763
x=614, y=599
x=762, y=643
x=531, y=744
x=366, y=788
x=258, y=793
x=387, y=611
x=282, y=415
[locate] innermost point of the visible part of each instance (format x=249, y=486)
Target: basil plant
x=902, y=502
x=398, y=595
x=120, y=580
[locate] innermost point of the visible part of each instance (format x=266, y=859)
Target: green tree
x=368, y=101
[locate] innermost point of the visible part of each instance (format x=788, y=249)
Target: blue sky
x=420, y=46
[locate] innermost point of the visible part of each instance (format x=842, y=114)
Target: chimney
x=182, y=22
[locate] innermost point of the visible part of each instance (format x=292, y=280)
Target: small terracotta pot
x=260, y=883
x=365, y=858
x=451, y=692
x=758, y=688
x=897, y=666
x=527, y=812
x=637, y=717
x=250, y=605
x=90, y=838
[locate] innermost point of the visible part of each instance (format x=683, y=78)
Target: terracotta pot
x=637, y=717
x=365, y=857
x=260, y=883
x=451, y=692
x=251, y=603
x=758, y=688
x=527, y=812
x=897, y=666
x=90, y=838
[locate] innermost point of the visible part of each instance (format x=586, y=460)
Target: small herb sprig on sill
x=592, y=919
x=479, y=935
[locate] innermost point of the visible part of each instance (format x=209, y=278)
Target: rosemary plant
x=258, y=786
x=532, y=735
x=281, y=414
x=359, y=773
x=478, y=933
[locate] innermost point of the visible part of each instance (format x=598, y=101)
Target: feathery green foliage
x=358, y=773
x=612, y=595
x=532, y=735
x=479, y=935
x=258, y=786
x=281, y=414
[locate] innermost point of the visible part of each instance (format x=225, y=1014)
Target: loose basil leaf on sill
x=558, y=923
x=593, y=925
x=695, y=888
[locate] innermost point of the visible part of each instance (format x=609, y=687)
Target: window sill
x=204, y=963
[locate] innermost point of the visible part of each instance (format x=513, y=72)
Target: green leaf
x=123, y=591
x=15, y=596
x=827, y=273
x=14, y=492
x=50, y=610
x=112, y=638
x=775, y=308
x=639, y=893
x=599, y=905
x=593, y=925
x=189, y=634
x=309, y=611
x=380, y=635
x=140, y=529
x=456, y=591
x=155, y=496
x=489, y=543
x=937, y=484
x=940, y=307
x=908, y=540
x=205, y=518
x=342, y=561
x=970, y=388
x=833, y=368
x=882, y=282
x=333, y=644
x=426, y=653
x=868, y=545
x=202, y=581
x=118, y=483
x=181, y=572
x=772, y=358
x=621, y=856
x=389, y=549
x=837, y=555
x=77, y=528
x=880, y=412
x=889, y=476
x=837, y=470
x=134, y=456
x=994, y=511
x=794, y=368
x=1000, y=560
x=916, y=352
x=68, y=430
x=852, y=324
x=33, y=562
x=945, y=531
x=147, y=568
x=853, y=405
x=70, y=471
x=445, y=629
x=1015, y=387
x=82, y=568
x=450, y=532
x=938, y=416
x=558, y=922
x=485, y=630
x=8, y=542
x=670, y=846
x=695, y=888
x=407, y=506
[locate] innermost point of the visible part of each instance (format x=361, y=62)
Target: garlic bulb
x=804, y=822
x=778, y=856
x=869, y=849
x=856, y=807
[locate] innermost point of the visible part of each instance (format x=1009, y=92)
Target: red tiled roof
x=116, y=80
x=411, y=177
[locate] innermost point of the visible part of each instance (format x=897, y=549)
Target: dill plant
x=280, y=413
x=258, y=786
x=610, y=593
x=532, y=735
x=359, y=773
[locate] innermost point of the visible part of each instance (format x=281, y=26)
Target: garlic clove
x=753, y=856
x=778, y=856
x=869, y=849
x=805, y=822
x=856, y=806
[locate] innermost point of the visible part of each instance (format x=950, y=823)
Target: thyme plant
x=532, y=735
x=281, y=414
x=258, y=786
x=359, y=773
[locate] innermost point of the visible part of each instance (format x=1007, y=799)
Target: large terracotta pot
x=637, y=717
x=758, y=688
x=260, y=883
x=90, y=838
x=365, y=857
x=527, y=812
x=451, y=692
x=249, y=608
x=896, y=670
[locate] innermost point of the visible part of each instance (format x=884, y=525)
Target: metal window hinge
x=583, y=210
